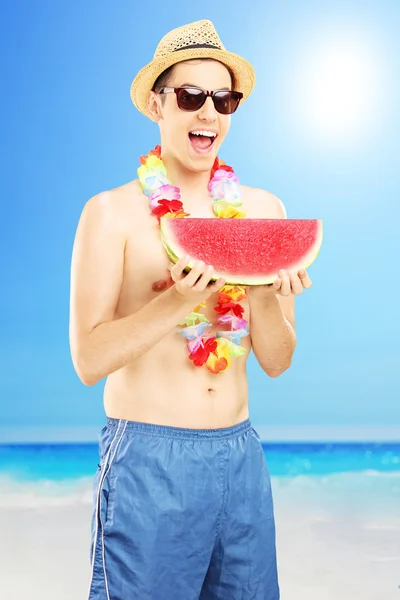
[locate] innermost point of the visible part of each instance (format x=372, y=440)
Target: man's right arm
x=99, y=344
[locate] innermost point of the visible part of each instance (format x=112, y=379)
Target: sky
x=321, y=131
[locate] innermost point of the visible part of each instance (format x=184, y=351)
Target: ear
x=153, y=107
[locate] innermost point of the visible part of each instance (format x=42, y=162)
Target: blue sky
x=321, y=131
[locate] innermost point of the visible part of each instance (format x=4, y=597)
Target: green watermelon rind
x=172, y=257
x=305, y=261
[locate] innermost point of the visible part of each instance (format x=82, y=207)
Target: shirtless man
x=182, y=498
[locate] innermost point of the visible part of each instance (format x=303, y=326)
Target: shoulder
x=113, y=208
x=261, y=204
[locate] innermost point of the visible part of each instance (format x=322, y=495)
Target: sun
x=335, y=87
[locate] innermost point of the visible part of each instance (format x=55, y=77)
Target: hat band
x=198, y=46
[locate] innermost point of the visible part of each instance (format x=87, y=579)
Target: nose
x=207, y=112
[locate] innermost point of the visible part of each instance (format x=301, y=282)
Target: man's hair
x=166, y=76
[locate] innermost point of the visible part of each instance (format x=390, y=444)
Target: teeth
x=206, y=133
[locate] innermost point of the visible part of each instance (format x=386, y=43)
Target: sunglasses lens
x=190, y=99
x=227, y=102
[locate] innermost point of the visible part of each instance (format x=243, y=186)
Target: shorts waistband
x=180, y=432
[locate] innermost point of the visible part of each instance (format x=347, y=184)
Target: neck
x=190, y=183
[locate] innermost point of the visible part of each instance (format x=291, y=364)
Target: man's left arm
x=272, y=307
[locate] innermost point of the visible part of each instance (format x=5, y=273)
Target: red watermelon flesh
x=244, y=251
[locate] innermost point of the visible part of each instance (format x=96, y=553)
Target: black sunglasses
x=191, y=99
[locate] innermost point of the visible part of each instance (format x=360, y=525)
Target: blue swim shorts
x=182, y=514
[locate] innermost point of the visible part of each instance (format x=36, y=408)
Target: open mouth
x=202, y=141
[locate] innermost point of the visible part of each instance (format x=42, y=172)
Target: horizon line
x=267, y=433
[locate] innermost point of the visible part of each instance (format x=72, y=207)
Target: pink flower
x=224, y=185
x=165, y=192
x=194, y=333
x=233, y=321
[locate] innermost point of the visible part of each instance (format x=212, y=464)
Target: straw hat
x=196, y=40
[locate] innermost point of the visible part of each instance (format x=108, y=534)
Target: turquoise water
x=56, y=462
x=353, y=478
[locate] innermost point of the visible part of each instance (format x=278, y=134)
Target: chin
x=202, y=166
x=200, y=162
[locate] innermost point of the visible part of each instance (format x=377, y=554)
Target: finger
x=296, y=285
x=205, y=278
x=305, y=279
x=277, y=284
x=178, y=268
x=218, y=285
x=171, y=269
x=195, y=272
x=285, y=289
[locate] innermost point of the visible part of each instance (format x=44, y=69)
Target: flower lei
x=214, y=352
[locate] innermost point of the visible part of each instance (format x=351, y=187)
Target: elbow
x=86, y=376
x=276, y=372
x=82, y=364
x=88, y=381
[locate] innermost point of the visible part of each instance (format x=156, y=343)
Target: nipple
x=159, y=286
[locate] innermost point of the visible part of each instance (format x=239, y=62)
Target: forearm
x=115, y=344
x=273, y=338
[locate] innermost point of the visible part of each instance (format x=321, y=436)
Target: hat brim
x=143, y=83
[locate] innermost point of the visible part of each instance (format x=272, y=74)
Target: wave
x=17, y=494
x=367, y=487
x=367, y=494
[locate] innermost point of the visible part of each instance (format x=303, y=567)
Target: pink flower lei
x=214, y=352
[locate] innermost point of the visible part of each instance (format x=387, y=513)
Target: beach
x=334, y=539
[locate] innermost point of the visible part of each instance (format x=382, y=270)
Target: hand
x=195, y=285
x=285, y=284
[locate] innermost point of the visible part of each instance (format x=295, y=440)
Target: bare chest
x=146, y=273
x=147, y=268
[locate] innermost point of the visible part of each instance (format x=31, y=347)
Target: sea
x=341, y=475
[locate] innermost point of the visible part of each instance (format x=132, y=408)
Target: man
x=182, y=499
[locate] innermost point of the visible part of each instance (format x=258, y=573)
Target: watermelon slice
x=244, y=251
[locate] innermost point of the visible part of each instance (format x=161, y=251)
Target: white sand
x=332, y=553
